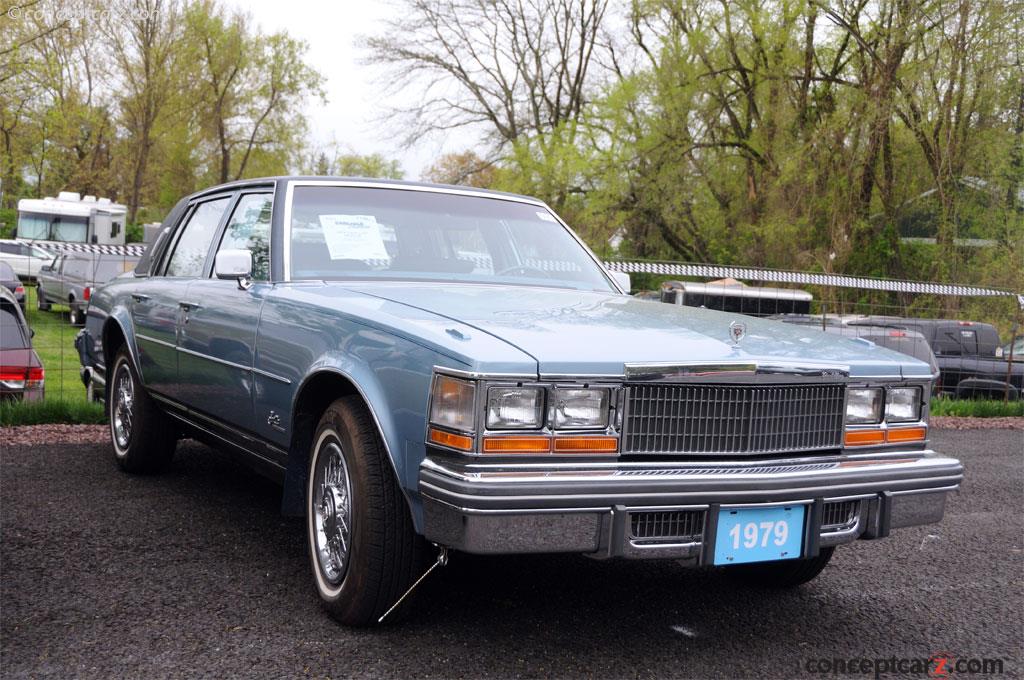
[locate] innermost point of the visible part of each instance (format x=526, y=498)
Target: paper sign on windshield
x=353, y=237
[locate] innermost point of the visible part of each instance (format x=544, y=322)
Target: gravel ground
x=195, y=573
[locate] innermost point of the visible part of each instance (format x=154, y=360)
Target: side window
x=249, y=229
x=193, y=245
x=11, y=248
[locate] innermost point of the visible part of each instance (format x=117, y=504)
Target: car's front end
x=671, y=460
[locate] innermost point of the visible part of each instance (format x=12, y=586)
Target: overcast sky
x=353, y=99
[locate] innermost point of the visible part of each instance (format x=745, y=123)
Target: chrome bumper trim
x=587, y=511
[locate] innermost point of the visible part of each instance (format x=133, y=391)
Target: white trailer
x=71, y=222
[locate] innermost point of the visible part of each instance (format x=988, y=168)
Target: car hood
x=571, y=332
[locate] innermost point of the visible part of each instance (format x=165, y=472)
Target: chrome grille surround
x=661, y=526
x=722, y=419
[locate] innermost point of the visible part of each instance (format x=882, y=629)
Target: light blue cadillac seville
x=431, y=368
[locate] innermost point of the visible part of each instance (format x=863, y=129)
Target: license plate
x=759, y=534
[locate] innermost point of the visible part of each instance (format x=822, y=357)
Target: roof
x=738, y=289
x=397, y=183
x=68, y=203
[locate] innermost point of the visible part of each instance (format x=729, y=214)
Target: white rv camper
x=73, y=222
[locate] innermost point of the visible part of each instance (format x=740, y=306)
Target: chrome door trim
x=148, y=338
x=232, y=364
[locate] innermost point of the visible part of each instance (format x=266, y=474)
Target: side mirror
x=46, y=268
x=622, y=278
x=234, y=264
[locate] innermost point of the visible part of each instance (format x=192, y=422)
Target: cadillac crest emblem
x=737, y=330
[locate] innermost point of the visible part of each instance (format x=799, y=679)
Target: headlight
x=903, y=404
x=580, y=408
x=863, y=405
x=452, y=403
x=515, y=408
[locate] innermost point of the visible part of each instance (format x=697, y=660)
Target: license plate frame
x=733, y=533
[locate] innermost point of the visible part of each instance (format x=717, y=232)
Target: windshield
x=364, y=233
x=46, y=227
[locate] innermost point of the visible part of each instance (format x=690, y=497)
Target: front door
x=158, y=303
x=218, y=331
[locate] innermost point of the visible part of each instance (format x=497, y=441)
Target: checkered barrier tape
x=712, y=271
x=129, y=250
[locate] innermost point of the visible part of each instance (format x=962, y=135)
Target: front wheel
x=362, y=546
x=142, y=434
x=77, y=316
x=781, y=574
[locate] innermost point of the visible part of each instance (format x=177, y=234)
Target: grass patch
x=54, y=341
x=50, y=411
x=64, y=400
x=976, y=408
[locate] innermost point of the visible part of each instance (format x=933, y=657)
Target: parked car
x=967, y=352
x=71, y=278
x=21, y=372
x=10, y=281
x=24, y=258
x=899, y=340
x=519, y=402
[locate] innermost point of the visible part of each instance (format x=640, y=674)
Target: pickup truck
x=71, y=278
x=968, y=354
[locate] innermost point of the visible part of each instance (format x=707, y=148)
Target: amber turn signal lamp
x=586, y=445
x=864, y=437
x=908, y=434
x=455, y=441
x=517, y=445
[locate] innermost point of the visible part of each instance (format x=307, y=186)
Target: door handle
x=189, y=306
x=139, y=297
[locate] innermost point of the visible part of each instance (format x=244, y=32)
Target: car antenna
x=442, y=560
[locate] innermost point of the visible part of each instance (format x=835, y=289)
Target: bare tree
x=517, y=67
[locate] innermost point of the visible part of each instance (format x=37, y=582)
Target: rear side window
x=11, y=334
x=10, y=248
x=78, y=269
x=249, y=229
x=193, y=245
x=6, y=273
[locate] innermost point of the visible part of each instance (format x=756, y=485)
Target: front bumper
x=591, y=508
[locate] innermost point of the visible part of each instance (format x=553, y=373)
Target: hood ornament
x=737, y=331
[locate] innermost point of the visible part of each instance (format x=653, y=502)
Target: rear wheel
x=143, y=436
x=362, y=546
x=76, y=317
x=41, y=304
x=781, y=574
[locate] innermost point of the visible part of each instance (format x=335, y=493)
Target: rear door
x=218, y=332
x=158, y=302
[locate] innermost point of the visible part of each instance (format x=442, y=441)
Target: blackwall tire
x=142, y=435
x=362, y=546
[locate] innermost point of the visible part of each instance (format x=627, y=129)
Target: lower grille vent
x=676, y=526
x=840, y=515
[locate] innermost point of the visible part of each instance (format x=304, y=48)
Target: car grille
x=733, y=419
x=678, y=526
x=839, y=515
